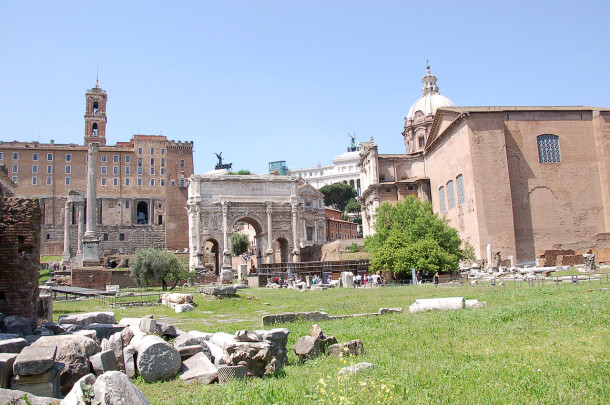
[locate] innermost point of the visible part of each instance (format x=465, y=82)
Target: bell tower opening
x=95, y=115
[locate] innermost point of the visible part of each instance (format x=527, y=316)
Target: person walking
x=436, y=279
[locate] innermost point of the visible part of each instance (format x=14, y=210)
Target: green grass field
x=545, y=344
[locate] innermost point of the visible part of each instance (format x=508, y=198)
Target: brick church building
x=141, y=186
x=523, y=179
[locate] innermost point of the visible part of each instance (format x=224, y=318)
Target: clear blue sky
x=287, y=80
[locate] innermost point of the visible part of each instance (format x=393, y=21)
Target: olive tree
x=152, y=264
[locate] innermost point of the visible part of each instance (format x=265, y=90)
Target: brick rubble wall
x=20, y=220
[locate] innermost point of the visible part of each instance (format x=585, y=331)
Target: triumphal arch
x=285, y=212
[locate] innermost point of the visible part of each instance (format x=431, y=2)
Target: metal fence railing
x=589, y=279
x=137, y=298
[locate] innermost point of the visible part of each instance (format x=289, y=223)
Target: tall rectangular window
x=103, y=181
x=35, y=157
x=163, y=170
x=115, y=181
x=152, y=151
x=35, y=169
x=127, y=170
x=68, y=169
x=67, y=181
x=460, y=189
x=126, y=203
x=139, y=169
x=15, y=155
x=14, y=179
x=49, y=180
x=34, y=180
x=68, y=157
x=104, y=158
x=152, y=161
x=1, y=155
x=139, y=161
x=163, y=151
x=152, y=182
x=115, y=170
x=49, y=169
x=548, y=149
x=441, y=198
x=115, y=158
x=162, y=161
x=15, y=169
x=127, y=181
x=139, y=182
x=162, y=182
x=127, y=159
x=152, y=170
x=139, y=151
x=104, y=169
x=49, y=156
x=450, y=194
x=181, y=162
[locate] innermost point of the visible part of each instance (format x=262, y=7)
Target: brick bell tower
x=95, y=115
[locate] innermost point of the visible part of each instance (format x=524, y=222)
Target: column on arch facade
x=269, y=253
x=67, y=221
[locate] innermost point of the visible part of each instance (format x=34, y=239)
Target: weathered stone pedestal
x=91, y=251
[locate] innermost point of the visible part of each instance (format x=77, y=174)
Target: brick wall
x=19, y=256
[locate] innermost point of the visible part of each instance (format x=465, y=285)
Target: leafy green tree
x=353, y=206
x=160, y=265
x=409, y=235
x=241, y=172
x=337, y=195
x=239, y=243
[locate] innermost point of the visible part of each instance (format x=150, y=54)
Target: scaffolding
x=279, y=167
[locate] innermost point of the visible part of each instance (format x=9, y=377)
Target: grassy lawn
x=46, y=259
x=45, y=274
x=546, y=344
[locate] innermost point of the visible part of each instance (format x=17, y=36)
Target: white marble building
x=343, y=169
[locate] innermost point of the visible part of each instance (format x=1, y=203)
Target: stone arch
x=142, y=213
x=211, y=255
x=284, y=249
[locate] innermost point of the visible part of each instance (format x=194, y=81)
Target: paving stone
x=34, y=360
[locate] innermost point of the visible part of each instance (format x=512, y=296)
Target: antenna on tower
x=97, y=76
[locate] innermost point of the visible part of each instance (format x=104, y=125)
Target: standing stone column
x=81, y=226
x=67, y=211
x=295, y=235
x=269, y=253
x=226, y=274
x=194, y=236
x=91, y=253
x=316, y=231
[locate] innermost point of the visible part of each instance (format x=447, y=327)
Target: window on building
x=68, y=169
x=163, y=151
x=152, y=151
x=67, y=181
x=105, y=237
x=103, y=181
x=127, y=170
x=49, y=169
x=460, y=189
x=68, y=157
x=94, y=129
x=441, y=198
x=162, y=182
x=127, y=159
x=162, y=162
x=15, y=168
x=548, y=149
x=115, y=181
x=115, y=170
x=96, y=108
x=182, y=183
x=35, y=169
x=139, y=151
x=2, y=155
x=181, y=162
x=121, y=237
x=104, y=158
x=35, y=157
x=15, y=155
x=139, y=182
x=152, y=182
x=410, y=188
x=127, y=181
x=152, y=161
x=15, y=179
x=104, y=170
x=139, y=161
x=160, y=219
x=49, y=180
x=450, y=194
x=115, y=158
x=139, y=169
x=422, y=142
x=163, y=170
x=34, y=180
x=49, y=157
x=126, y=203
x=152, y=170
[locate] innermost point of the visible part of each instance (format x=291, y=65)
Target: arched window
x=94, y=129
x=142, y=213
x=441, y=196
x=450, y=194
x=548, y=149
x=460, y=189
x=96, y=108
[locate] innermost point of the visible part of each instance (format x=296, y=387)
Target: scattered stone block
x=18, y=325
x=115, y=343
x=347, y=279
x=390, y=310
x=475, y=304
x=46, y=384
x=257, y=357
x=228, y=373
x=130, y=321
x=430, y=304
x=105, y=330
x=217, y=354
x=54, y=327
x=156, y=359
x=80, y=394
x=247, y=336
x=126, y=335
x=103, y=361
x=179, y=308
x=114, y=387
x=189, y=351
x=355, y=368
x=218, y=291
x=148, y=325
x=166, y=329
x=6, y=368
x=91, y=334
x=222, y=339
x=198, y=369
x=88, y=318
x=130, y=362
x=12, y=345
x=313, y=345
x=352, y=348
x=202, y=335
x=14, y=397
x=34, y=360
x=73, y=352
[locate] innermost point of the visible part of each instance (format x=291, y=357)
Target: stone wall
x=19, y=256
